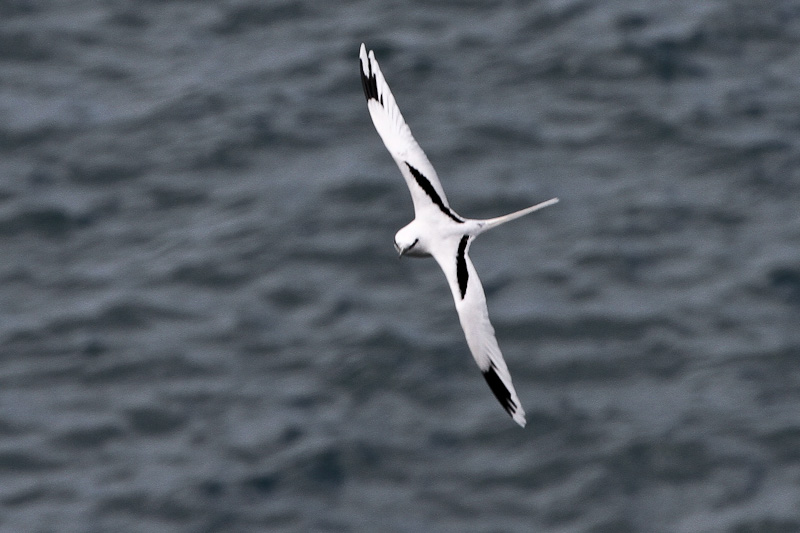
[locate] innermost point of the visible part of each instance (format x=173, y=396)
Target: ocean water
x=204, y=326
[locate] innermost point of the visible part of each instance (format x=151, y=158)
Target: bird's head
x=407, y=242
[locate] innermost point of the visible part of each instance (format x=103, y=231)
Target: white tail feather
x=492, y=222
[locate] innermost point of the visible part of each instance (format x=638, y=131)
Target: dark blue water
x=204, y=326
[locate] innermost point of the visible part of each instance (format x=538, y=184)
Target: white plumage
x=440, y=232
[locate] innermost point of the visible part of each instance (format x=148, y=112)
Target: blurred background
x=204, y=326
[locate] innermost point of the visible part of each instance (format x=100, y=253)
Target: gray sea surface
x=204, y=326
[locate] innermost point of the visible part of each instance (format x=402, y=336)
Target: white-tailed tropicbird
x=439, y=232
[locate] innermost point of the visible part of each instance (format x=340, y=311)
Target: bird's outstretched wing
x=470, y=300
x=426, y=190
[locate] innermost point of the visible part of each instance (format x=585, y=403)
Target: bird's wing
x=470, y=300
x=426, y=190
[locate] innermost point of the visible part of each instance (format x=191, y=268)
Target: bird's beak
x=400, y=251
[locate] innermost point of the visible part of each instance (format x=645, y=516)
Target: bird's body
x=440, y=232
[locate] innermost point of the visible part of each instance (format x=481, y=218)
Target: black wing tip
x=500, y=391
x=368, y=79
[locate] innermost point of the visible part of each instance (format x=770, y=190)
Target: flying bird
x=440, y=232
